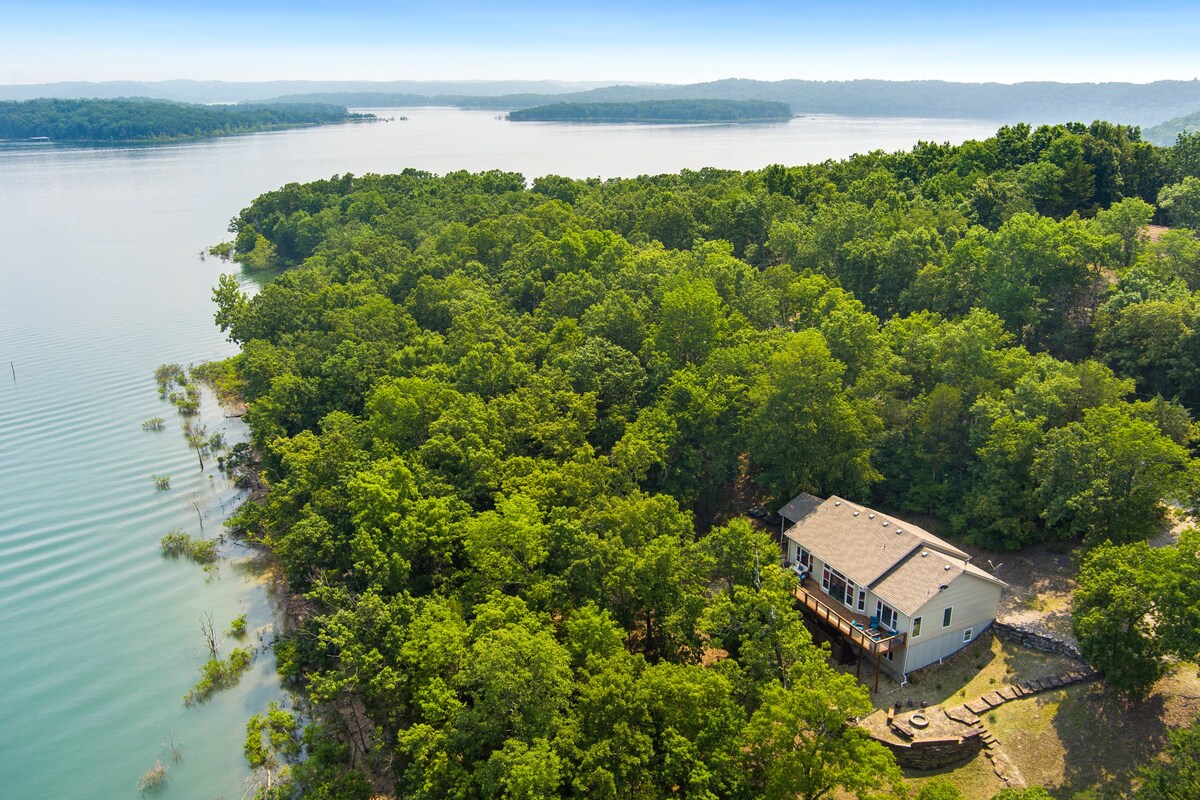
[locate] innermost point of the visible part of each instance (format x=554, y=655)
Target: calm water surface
x=99, y=283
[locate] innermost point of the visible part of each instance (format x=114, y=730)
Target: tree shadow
x=1106, y=739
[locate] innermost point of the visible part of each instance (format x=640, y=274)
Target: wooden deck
x=824, y=607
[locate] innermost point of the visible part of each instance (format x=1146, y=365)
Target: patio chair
x=874, y=624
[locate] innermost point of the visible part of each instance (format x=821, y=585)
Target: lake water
x=100, y=282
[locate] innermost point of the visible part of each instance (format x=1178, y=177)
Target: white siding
x=974, y=601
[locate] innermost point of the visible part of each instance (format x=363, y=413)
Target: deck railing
x=874, y=642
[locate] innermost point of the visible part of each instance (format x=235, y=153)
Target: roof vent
x=837, y=502
x=885, y=524
x=870, y=516
x=856, y=513
x=943, y=586
x=946, y=567
x=925, y=554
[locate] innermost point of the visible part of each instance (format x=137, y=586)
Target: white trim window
x=967, y=634
x=916, y=627
x=886, y=614
x=862, y=599
x=850, y=590
x=947, y=615
x=805, y=558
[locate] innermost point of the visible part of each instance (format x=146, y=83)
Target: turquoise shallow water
x=100, y=634
x=100, y=282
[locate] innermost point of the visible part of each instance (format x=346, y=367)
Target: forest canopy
x=139, y=119
x=657, y=111
x=509, y=431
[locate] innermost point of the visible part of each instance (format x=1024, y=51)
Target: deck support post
x=878, y=658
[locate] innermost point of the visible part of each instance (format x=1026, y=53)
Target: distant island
x=651, y=111
x=140, y=119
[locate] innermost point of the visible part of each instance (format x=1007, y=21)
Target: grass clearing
x=1081, y=741
x=983, y=666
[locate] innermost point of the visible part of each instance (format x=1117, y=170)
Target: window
x=886, y=614
x=825, y=579
x=862, y=599
x=805, y=558
x=946, y=617
x=967, y=635
x=850, y=589
x=916, y=627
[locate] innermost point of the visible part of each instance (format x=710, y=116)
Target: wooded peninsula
x=138, y=119
x=658, y=111
x=510, y=432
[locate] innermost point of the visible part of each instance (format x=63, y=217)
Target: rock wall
x=962, y=732
x=1036, y=640
x=928, y=754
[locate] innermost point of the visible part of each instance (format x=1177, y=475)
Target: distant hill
x=705, y=110
x=1128, y=103
x=502, y=102
x=241, y=92
x=1165, y=133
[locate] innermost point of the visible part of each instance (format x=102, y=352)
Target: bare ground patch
x=1040, y=586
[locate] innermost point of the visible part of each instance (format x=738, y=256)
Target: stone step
x=978, y=706
x=961, y=714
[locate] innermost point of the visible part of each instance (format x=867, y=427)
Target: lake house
x=883, y=589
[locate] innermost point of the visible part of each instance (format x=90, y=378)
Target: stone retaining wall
x=928, y=754
x=1035, y=640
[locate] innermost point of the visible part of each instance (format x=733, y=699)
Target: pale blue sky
x=617, y=41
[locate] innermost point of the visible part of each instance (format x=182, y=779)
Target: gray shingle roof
x=911, y=583
x=880, y=552
x=800, y=507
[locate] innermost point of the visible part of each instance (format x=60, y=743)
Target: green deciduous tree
x=1178, y=776
x=1136, y=606
x=799, y=743
x=1181, y=202
x=691, y=322
x=807, y=435
x=1112, y=617
x=1105, y=476
x=1127, y=221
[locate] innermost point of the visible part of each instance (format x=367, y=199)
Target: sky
x=45, y=41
